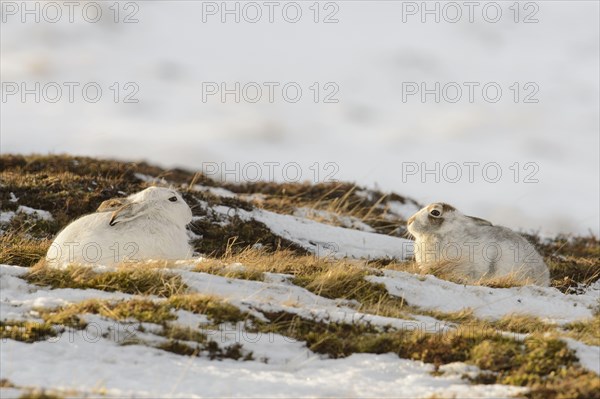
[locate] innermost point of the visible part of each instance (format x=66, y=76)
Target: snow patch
x=6, y=217
x=216, y=191
x=132, y=370
x=326, y=240
x=349, y=222
x=150, y=179
x=589, y=355
x=19, y=299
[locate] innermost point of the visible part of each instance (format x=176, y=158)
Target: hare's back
x=89, y=227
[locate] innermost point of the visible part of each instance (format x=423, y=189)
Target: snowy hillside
x=297, y=290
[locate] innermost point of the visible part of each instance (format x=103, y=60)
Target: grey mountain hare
x=150, y=224
x=473, y=249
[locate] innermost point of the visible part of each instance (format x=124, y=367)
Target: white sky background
x=368, y=134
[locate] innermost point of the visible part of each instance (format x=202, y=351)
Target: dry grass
x=261, y=260
x=570, y=272
x=216, y=309
x=573, y=260
x=142, y=310
x=230, y=270
x=523, y=324
x=18, y=248
x=466, y=320
x=141, y=281
x=406, y=266
x=507, y=281
x=463, y=316
x=348, y=282
x=587, y=331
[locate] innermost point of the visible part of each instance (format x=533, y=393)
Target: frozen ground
x=85, y=362
x=368, y=134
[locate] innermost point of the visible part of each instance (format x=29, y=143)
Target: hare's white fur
x=150, y=224
x=474, y=248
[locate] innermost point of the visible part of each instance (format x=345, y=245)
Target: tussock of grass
x=587, y=331
x=523, y=324
x=18, y=248
x=463, y=316
x=282, y=261
x=219, y=268
x=515, y=323
x=140, y=281
x=26, y=331
x=342, y=280
x=401, y=266
x=507, y=281
x=143, y=310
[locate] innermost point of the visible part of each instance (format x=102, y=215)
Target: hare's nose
x=410, y=220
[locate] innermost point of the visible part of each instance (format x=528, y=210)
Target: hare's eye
x=435, y=212
x=173, y=199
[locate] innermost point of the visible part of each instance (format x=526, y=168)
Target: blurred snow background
x=368, y=134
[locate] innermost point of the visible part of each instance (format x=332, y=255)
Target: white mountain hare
x=472, y=248
x=150, y=224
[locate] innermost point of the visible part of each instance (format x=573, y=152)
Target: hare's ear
x=111, y=205
x=128, y=212
x=479, y=221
